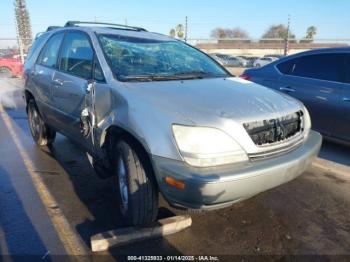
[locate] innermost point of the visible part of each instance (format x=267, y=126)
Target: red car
x=10, y=67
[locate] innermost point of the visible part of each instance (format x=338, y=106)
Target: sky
x=331, y=17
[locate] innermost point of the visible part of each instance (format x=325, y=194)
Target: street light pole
x=186, y=29
x=286, y=43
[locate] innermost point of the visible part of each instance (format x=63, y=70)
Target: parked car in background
x=162, y=116
x=250, y=60
x=263, y=61
x=321, y=80
x=228, y=60
x=10, y=67
x=275, y=56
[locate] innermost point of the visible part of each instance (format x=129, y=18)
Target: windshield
x=140, y=59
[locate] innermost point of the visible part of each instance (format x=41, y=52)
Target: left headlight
x=205, y=146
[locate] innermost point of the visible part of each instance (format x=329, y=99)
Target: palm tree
x=180, y=30
x=172, y=32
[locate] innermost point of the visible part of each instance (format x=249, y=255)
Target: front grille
x=273, y=131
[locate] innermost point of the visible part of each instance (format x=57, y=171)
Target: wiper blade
x=148, y=77
x=198, y=74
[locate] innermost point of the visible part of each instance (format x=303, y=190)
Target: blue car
x=321, y=80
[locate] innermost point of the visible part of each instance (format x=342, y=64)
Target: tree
x=277, y=32
x=220, y=33
x=310, y=34
x=172, y=32
x=180, y=31
x=23, y=23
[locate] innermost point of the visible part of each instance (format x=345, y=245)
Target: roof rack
x=117, y=26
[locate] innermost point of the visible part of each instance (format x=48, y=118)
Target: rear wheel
x=42, y=134
x=137, y=190
x=5, y=72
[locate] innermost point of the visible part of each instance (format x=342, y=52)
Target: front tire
x=42, y=134
x=137, y=190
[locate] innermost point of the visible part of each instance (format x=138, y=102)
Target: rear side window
x=35, y=46
x=77, y=55
x=49, y=54
x=323, y=66
x=287, y=67
x=346, y=72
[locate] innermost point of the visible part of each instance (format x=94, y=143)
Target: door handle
x=287, y=89
x=57, y=82
x=346, y=99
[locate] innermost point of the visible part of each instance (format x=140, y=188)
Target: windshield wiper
x=197, y=74
x=176, y=76
x=148, y=78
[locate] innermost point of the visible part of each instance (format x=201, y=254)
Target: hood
x=201, y=99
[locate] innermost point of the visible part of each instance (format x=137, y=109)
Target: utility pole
x=186, y=29
x=286, y=43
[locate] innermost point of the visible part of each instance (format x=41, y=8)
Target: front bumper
x=218, y=187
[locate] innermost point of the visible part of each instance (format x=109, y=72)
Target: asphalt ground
x=308, y=216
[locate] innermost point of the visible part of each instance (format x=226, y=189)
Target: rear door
x=71, y=80
x=343, y=121
x=316, y=81
x=43, y=73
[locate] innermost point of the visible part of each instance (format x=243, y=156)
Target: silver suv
x=160, y=115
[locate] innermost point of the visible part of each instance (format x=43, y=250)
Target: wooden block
x=123, y=236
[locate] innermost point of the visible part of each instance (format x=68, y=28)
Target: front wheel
x=137, y=190
x=42, y=134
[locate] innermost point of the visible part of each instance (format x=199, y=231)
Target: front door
x=70, y=81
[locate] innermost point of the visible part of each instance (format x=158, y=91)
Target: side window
x=98, y=73
x=49, y=54
x=77, y=55
x=346, y=72
x=323, y=66
x=287, y=67
x=35, y=46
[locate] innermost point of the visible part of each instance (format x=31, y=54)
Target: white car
x=263, y=61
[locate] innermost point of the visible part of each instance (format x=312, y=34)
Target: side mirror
x=89, y=86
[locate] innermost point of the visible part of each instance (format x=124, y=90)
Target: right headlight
x=205, y=146
x=307, y=122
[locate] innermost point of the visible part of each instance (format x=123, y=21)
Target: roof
x=317, y=51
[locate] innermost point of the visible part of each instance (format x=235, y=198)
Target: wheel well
x=114, y=133
x=28, y=96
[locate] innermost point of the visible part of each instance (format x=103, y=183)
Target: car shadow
x=99, y=196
